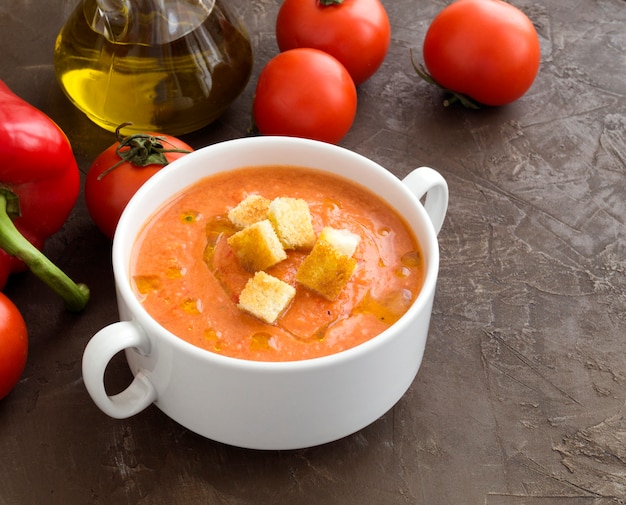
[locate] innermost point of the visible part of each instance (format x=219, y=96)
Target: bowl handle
x=428, y=183
x=99, y=351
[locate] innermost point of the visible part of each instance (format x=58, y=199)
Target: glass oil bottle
x=171, y=66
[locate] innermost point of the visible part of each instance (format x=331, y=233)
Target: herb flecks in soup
x=190, y=279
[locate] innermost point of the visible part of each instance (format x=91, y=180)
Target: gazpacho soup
x=276, y=263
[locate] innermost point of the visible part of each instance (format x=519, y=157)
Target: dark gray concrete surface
x=521, y=398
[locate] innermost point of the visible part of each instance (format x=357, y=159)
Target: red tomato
x=135, y=159
x=13, y=345
x=356, y=32
x=485, y=49
x=305, y=93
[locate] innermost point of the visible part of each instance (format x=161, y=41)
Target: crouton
x=325, y=270
x=266, y=297
x=291, y=219
x=343, y=241
x=257, y=247
x=250, y=210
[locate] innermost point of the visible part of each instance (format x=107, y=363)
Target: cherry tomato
x=120, y=170
x=305, y=93
x=356, y=32
x=485, y=49
x=13, y=345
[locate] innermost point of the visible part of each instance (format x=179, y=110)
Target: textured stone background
x=521, y=398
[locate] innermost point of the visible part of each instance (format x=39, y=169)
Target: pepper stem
x=13, y=242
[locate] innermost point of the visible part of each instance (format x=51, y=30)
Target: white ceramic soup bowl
x=267, y=405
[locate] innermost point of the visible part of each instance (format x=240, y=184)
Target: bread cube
x=257, y=246
x=250, y=210
x=266, y=297
x=325, y=270
x=291, y=219
x=344, y=241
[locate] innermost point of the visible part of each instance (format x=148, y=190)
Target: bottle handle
x=426, y=183
x=99, y=351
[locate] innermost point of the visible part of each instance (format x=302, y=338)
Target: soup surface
x=188, y=278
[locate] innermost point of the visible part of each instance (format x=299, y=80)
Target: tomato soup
x=189, y=280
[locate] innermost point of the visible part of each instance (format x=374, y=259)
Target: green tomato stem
x=141, y=150
x=453, y=97
x=13, y=242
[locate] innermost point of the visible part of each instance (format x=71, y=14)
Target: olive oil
x=164, y=65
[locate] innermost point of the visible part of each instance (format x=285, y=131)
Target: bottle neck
x=147, y=22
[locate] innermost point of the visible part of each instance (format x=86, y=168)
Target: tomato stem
x=141, y=150
x=454, y=96
x=14, y=243
x=326, y=3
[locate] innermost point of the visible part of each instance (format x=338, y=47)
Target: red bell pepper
x=39, y=185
